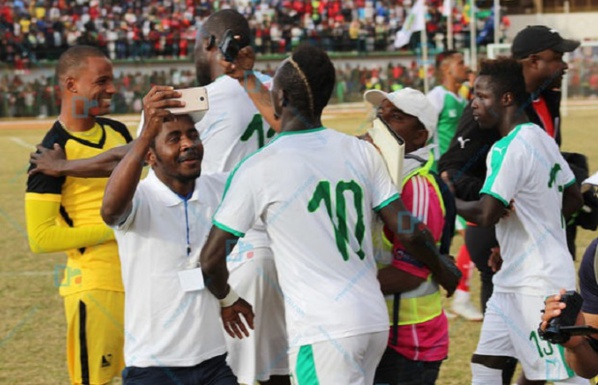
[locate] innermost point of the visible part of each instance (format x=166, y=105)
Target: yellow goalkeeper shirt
x=63, y=213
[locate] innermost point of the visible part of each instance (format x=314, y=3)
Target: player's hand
x=553, y=307
x=242, y=65
x=48, y=161
x=155, y=105
x=450, y=276
x=495, y=260
x=509, y=209
x=233, y=324
x=447, y=179
x=368, y=138
x=449, y=282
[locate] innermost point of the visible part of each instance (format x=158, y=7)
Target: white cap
x=410, y=101
x=593, y=180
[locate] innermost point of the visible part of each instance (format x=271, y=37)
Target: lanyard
x=187, y=229
x=185, y=200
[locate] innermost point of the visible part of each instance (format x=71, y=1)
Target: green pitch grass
x=32, y=325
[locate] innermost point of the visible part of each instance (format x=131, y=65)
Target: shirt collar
x=166, y=195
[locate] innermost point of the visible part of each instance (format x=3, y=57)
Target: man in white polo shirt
x=173, y=333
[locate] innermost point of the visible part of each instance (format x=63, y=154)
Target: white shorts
x=265, y=352
x=347, y=361
x=510, y=328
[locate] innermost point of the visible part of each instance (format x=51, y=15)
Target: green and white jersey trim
x=498, y=153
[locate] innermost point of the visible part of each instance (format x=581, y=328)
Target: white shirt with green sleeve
x=527, y=167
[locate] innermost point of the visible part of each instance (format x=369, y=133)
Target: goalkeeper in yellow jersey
x=63, y=214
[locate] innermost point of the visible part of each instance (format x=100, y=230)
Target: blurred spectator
x=39, y=97
x=16, y=95
x=37, y=30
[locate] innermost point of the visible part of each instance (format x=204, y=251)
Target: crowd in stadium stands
x=39, y=97
x=36, y=30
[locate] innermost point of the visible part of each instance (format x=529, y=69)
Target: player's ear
x=150, y=157
x=508, y=99
x=210, y=42
x=70, y=85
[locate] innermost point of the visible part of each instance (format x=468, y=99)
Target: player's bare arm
x=213, y=265
x=53, y=162
x=393, y=280
x=117, y=203
x=572, y=200
x=213, y=261
x=485, y=212
x=418, y=242
x=242, y=70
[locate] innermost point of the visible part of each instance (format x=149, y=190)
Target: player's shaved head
x=74, y=59
x=444, y=57
x=220, y=21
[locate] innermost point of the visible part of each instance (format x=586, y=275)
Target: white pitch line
x=22, y=143
x=25, y=273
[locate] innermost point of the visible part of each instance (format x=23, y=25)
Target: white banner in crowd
x=415, y=21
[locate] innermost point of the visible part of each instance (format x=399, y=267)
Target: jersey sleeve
x=42, y=211
x=128, y=221
x=383, y=190
x=504, y=172
x=46, y=236
x=43, y=184
x=587, y=280
x=243, y=201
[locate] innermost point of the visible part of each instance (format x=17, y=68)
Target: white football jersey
x=316, y=192
x=526, y=166
x=232, y=128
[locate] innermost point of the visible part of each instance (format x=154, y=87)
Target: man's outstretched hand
x=48, y=161
x=450, y=276
x=242, y=65
x=233, y=324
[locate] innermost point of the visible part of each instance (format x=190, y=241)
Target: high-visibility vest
x=423, y=303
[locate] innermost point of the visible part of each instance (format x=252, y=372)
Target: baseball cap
x=410, y=101
x=536, y=38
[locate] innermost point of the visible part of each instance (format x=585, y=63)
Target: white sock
x=483, y=375
x=461, y=296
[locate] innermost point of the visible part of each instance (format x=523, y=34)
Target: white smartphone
x=196, y=99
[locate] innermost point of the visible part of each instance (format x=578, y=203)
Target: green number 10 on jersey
x=341, y=229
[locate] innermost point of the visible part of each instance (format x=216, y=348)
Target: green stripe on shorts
x=570, y=372
x=306, y=367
